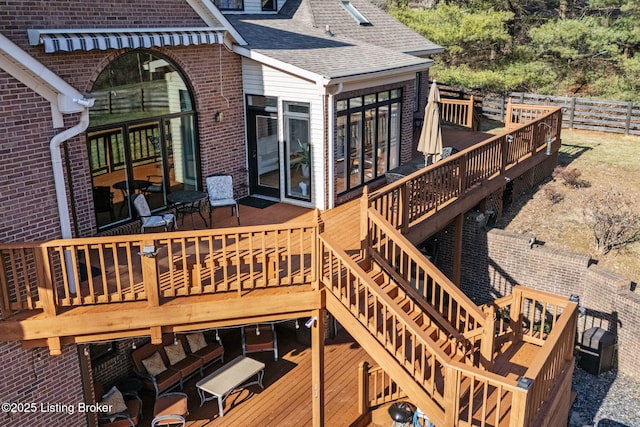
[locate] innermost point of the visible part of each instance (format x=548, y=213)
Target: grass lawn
x=606, y=162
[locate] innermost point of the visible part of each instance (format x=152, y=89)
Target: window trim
x=360, y=109
x=241, y=8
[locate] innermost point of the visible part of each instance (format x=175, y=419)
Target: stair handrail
x=339, y=289
x=392, y=235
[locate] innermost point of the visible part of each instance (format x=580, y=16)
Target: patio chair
x=220, y=189
x=257, y=338
x=156, y=184
x=103, y=200
x=170, y=409
x=126, y=408
x=168, y=221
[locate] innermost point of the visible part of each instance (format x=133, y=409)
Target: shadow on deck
x=287, y=385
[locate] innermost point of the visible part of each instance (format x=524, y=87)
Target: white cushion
x=158, y=220
x=220, y=188
x=222, y=202
x=141, y=205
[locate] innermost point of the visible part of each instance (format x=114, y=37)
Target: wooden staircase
x=435, y=326
x=427, y=336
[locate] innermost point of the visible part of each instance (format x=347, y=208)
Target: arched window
x=141, y=137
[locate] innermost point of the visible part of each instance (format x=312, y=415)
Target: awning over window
x=68, y=41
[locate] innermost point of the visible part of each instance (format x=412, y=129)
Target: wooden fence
x=577, y=113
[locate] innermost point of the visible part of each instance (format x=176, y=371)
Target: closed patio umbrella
x=430, y=143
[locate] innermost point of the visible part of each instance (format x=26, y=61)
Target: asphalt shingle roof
x=384, y=31
x=293, y=36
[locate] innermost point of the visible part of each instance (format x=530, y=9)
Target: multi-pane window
x=367, y=138
x=141, y=137
x=229, y=4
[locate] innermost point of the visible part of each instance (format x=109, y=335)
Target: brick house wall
x=27, y=194
x=32, y=376
x=214, y=75
x=494, y=261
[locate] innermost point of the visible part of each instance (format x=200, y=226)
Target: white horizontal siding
x=259, y=79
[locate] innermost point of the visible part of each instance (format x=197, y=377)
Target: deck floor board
x=287, y=397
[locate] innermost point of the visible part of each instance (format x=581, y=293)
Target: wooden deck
x=286, y=398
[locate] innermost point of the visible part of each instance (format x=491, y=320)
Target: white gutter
x=58, y=179
x=33, y=74
x=64, y=99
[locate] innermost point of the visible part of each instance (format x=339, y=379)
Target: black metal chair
x=103, y=200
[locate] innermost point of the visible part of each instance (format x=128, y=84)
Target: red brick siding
x=493, y=262
x=111, y=369
x=25, y=144
x=33, y=376
x=27, y=193
x=18, y=16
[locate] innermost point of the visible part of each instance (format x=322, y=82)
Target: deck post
x=450, y=396
x=45, y=291
x=519, y=408
x=150, y=272
x=316, y=251
x=488, y=336
x=469, y=123
x=462, y=175
x=363, y=387
x=457, y=249
x=317, y=364
x=364, y=223
x=504, y=154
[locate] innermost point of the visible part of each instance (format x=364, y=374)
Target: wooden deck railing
x=521, y=114
x=413, y=198
x=376, y=387
x=96, y=270
x=460, y=112
x=472, y=328
x=394, y=330
x=484, y=398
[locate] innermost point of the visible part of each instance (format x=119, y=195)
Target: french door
x=264, y=153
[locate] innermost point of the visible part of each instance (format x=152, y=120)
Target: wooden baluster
x=404, y=206
x=363, y=387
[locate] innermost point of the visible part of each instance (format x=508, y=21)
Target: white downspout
x=58, y=179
